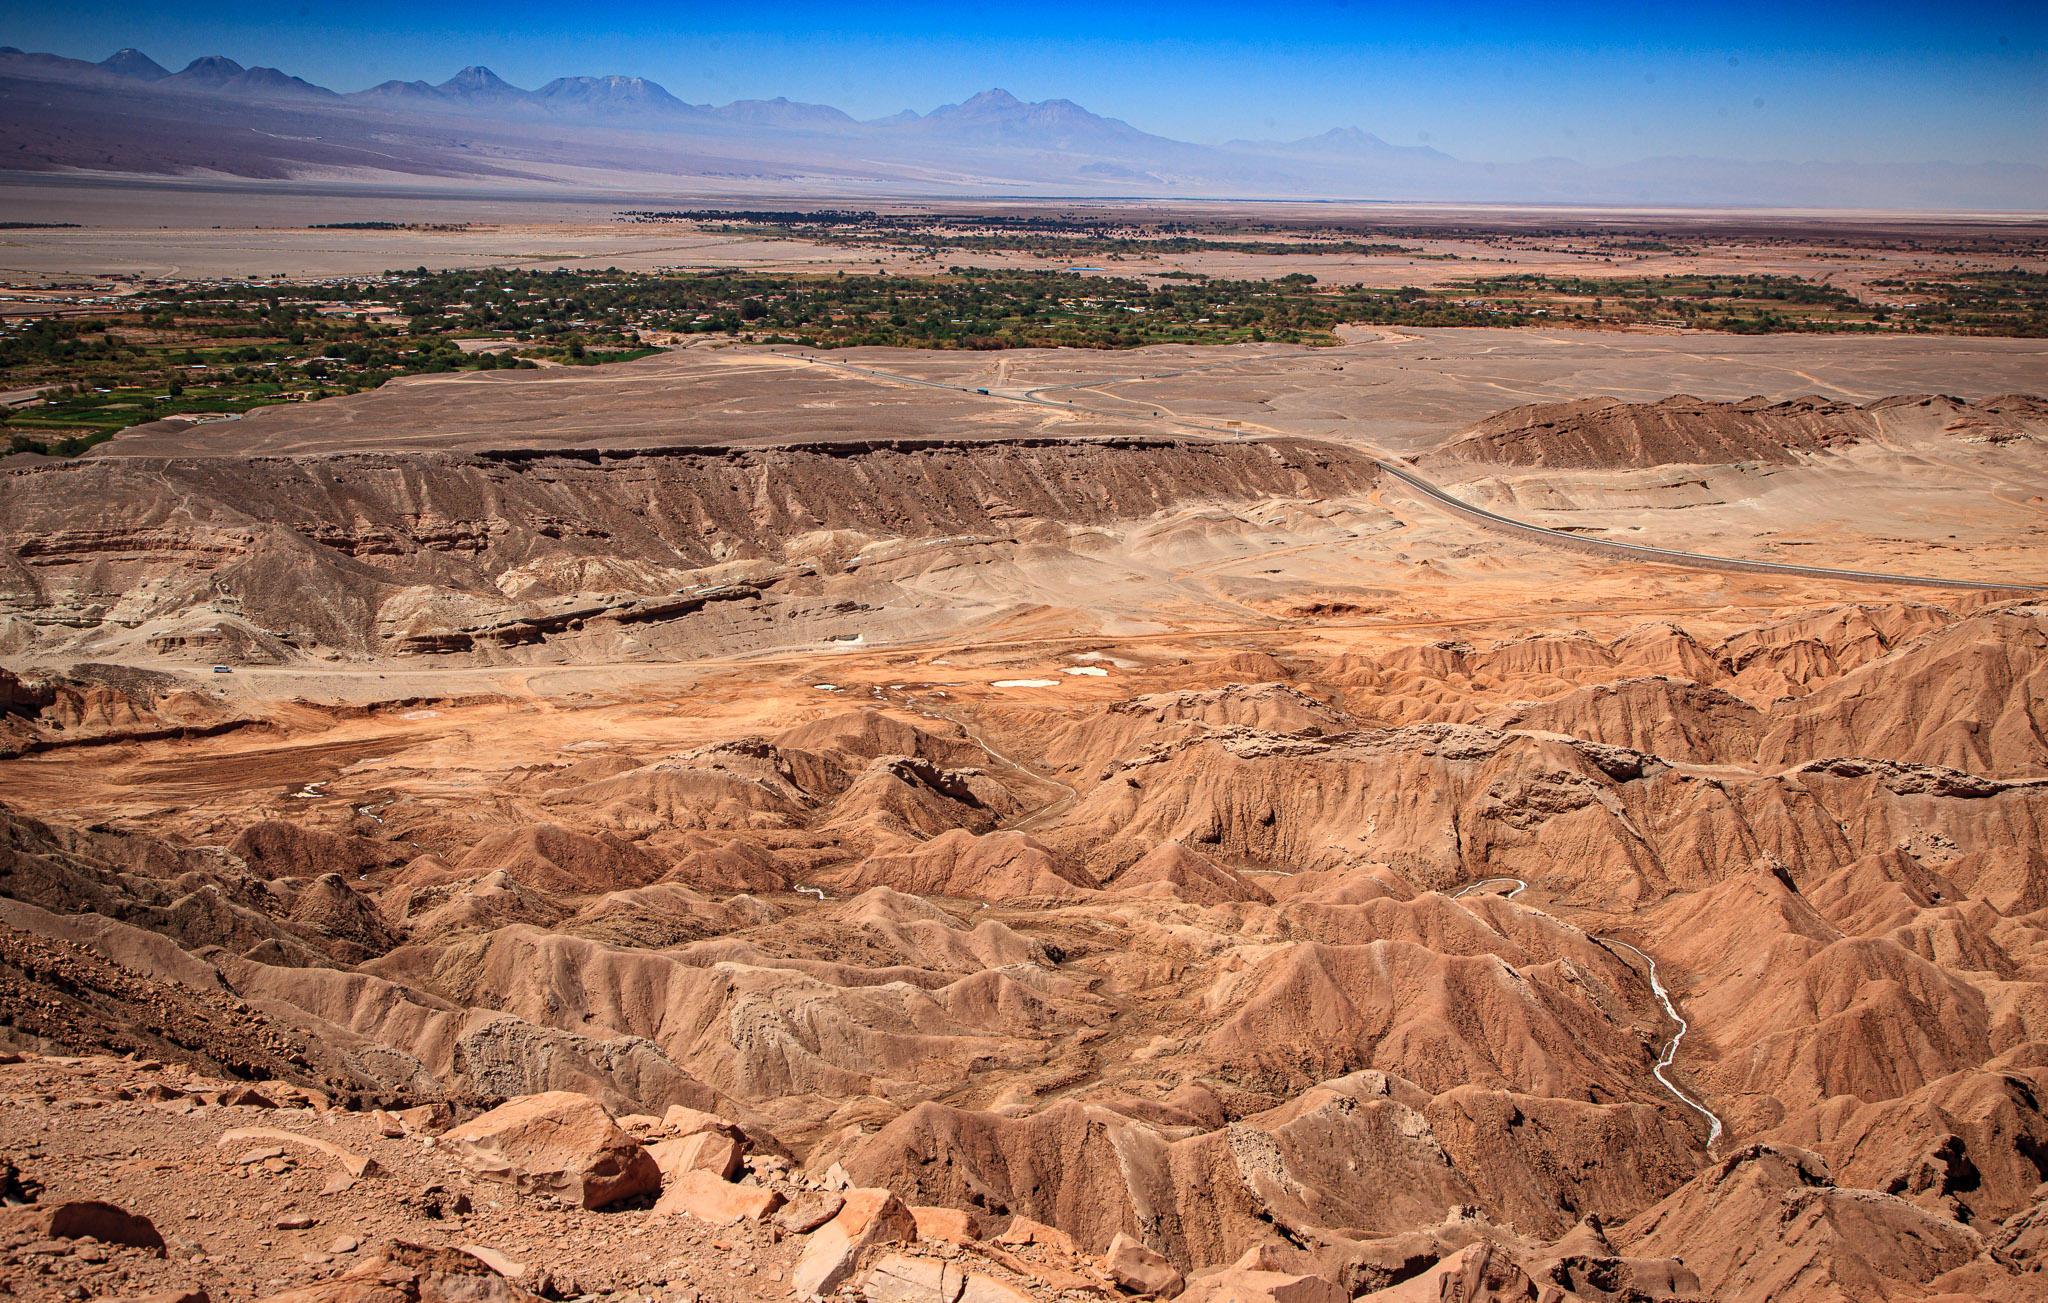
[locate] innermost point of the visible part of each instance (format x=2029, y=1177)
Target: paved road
x=1665, y=556
x=1439, y=497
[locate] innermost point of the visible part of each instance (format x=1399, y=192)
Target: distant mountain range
x=627, y=135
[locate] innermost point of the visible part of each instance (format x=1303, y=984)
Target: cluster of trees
x=2011, y=303
x=1049, y=236
x=1756, y=304
x=61, y=343
x=962, y=308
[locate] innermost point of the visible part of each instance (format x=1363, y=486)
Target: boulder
x=557, y=1143
x=427, y=1119
x=1022, y=1230
x=681, y=1120
x=1478, y=1272
x=954, y=1225
x=1236, y=1286
x=987, y=1289
x=895, y=1278
x=709, y=1198
x=704, y=1151
x=1138, y=1270
x=808, y=1211
x=81, y=1219
x=1266, y=1256
x=868, y=1218
x=413, y=1273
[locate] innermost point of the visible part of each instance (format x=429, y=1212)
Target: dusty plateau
x=949, y=827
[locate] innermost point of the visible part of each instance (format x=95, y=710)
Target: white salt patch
x=421, y=714
x=1105, y=657
x=826, y=687
x=1095, y=670
x=1026, y=683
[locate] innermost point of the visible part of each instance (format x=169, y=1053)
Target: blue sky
x=1600, y=82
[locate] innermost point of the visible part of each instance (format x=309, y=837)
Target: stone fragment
x=808, y=1211
x=1264, y=1256
x=869, y=1218
x=705, y=1151
x=412, y=1273
x=288, y=1095
x=296, y=1222
x=496, y=1261
x=1139, y=1270
x=80, y=1219
x=709, y=1199
x=388, y=1124
x=558, y=1143
x=1022, y=1230
x=353, y=1163
x=895, y=1278
x=684, y=1121
x=1235, y=1286
x=1483, y=1271
x=16, y=1186
x=427, y=1119
x=987, y=1289
x=951, y=1225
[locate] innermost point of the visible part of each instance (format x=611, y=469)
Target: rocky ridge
x=1608, y=433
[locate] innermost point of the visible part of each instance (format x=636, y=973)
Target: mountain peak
x=134, y=64
x=611, y=93
x=993, y=98
x=212, y=69
x=478, y=80
x=997, y=104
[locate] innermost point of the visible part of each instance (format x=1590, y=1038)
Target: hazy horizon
x=1882, y=84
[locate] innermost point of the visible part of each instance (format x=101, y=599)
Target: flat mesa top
x=1395, y=391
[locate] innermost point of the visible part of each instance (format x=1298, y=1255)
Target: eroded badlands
x=1154, y=864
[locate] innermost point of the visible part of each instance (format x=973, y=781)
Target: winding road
x=1431, y=493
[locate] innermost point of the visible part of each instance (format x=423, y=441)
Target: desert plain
x=1540, y=814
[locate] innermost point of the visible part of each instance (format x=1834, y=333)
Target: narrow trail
x=1520, y=887
x=1669, y=1054
x=1036, y=818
